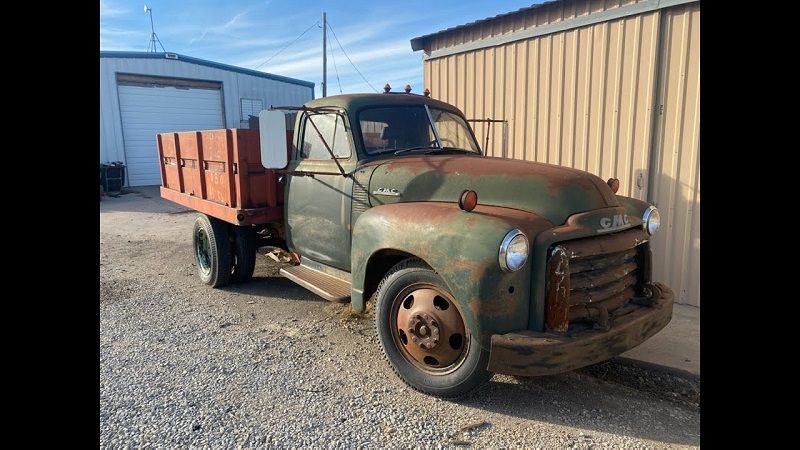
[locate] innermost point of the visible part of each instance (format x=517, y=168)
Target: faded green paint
x=318, y=213
x=553, y=192
x=356, y=102
x=462, y=247
x=635, y=207
x=549, y=203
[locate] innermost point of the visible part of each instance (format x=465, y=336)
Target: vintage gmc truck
x=476, y=265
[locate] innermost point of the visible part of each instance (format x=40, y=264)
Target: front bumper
x=530, y=353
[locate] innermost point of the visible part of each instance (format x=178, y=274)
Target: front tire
x=212, y=250
x=423, y=335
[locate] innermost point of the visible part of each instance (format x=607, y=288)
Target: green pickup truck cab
x=476, y=265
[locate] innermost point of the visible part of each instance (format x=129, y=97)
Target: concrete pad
x=677, y=346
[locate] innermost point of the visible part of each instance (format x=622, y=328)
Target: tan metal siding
x=676, y=174
x=529, y=19
x=581, y=98
x=584, y=98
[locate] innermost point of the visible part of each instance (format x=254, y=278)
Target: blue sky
x=375, y=34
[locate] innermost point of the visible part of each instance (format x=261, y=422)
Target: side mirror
x=272, y=128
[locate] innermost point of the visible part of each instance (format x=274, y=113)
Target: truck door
x=318, y=206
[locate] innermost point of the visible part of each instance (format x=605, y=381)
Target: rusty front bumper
x=530, y=353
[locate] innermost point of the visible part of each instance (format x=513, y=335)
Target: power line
x=348, y=58
x=330, y=46
x=315, y=24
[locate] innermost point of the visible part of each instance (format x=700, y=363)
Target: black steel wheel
x=243, y=245
x=212, y=250
x=423, y=334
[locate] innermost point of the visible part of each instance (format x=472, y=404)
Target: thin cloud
x=109, y=10
x=377, y=44
x=311, y=60
x=232, y=24
x=119, y=39
x=243, y=44
x=349, y=37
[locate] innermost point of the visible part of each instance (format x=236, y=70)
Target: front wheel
x=423, y=334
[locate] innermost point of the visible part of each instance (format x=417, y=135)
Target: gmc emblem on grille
x=611, y=224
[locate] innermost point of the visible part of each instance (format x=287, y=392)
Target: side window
x=333, y=129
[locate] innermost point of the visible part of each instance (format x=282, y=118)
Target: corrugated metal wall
x=588, y=98
x=675, y=178
x=234, y=87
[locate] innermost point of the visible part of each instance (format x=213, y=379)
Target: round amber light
x=468, y=200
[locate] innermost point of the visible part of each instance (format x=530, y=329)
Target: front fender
x=462, y=247
x=635, y=207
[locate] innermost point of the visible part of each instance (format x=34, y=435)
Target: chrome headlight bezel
x=651, y=220
x=504, y=252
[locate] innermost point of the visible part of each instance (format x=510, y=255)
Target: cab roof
x=354, y=102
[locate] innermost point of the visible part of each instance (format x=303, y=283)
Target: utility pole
x=324, y=55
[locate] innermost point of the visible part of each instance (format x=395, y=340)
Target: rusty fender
x=530, y=353
x=635, y=207
x=462, y=247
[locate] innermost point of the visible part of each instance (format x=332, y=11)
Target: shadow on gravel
x=145, y=199
x=683, y=389
x=273, y=286
x=588, y=398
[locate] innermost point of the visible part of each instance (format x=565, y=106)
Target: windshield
x=408, y=128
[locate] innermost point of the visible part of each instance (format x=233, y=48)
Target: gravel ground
x=269, y=364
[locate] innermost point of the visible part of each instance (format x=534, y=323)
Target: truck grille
x=592, y=279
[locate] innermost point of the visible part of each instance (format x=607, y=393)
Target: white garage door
x=147, y=111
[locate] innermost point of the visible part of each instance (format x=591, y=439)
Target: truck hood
x=552, y=192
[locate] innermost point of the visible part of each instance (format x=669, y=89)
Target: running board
x=325, y=285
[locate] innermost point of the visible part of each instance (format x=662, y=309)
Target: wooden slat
x=231, y=184
x=201, y=166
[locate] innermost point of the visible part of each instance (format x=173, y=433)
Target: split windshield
x=408, y=129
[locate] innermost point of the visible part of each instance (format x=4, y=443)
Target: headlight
x=651, y=220
x=513, y=251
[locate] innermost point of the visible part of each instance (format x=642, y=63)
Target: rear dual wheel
x=243, y=244
x=212, y=250
x=423, y=335
x=223, y=253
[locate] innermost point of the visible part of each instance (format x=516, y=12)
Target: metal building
x=611, y=87
x=142, y=94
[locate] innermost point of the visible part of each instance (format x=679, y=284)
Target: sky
x=375, y=35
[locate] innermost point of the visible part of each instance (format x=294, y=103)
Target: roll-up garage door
x=147, y=110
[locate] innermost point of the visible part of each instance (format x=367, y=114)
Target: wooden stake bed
x=219, y=173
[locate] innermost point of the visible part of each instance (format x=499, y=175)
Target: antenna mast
x=151, y=46
x=324, y=55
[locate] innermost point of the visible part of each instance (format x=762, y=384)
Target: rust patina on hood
x=552, y=192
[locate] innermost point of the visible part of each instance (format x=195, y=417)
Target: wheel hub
x=429, y=330
x=424, y=330
x=203, y=251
